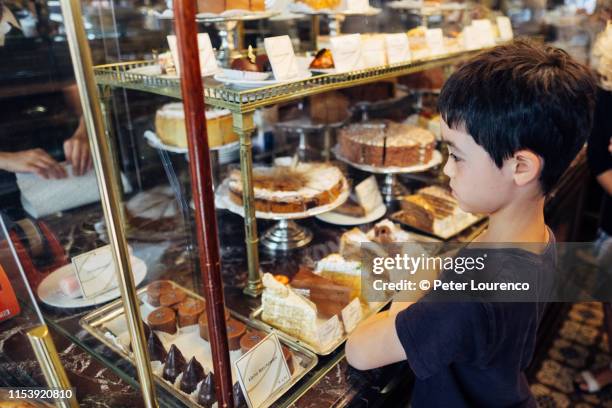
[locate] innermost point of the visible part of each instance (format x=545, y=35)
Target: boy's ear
x=527, y=167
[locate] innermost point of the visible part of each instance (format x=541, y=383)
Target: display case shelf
x=247, y=100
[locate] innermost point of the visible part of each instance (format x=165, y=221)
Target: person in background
x=599, y=154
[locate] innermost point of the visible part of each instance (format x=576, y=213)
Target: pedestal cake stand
x=286, y=234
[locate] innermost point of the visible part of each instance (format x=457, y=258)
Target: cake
x=342, y=272
x=234, y=328
x=330, y=297
x=155, y=209
x=206, y=395
x=321, y=4
x=252, y=62
x=171, y=130
x=254, y=337
x=163, y=319
x=219, y=6
x=386, y=144
x=322, y=60
x=351, y=208
x=174, y=364
x=330, y=107
x=189, y=311
x=434, y=210
x=172, y=298
x=193, y=374
x=156, y=289
x=286, y=189
x=291, y=312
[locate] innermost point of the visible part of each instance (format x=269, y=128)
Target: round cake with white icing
x=287, y=189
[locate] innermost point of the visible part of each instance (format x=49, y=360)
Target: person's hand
x=32, y=161
x=77, y=152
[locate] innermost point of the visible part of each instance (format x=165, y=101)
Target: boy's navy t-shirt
x=473, y=354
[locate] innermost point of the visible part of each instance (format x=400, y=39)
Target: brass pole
x=108, y=184
x=50, y=363
x=244, y=125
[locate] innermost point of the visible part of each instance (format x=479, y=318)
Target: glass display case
x=170, y=230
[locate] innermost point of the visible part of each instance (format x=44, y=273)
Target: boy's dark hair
x=523, y=96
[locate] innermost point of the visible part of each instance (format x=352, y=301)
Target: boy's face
x=476, y=181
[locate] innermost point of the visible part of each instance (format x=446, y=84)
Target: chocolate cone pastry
x=193, y=374
x=147, y=333
x=239, y=401
x=157, y=351
x=206, y=396
x=175, y=364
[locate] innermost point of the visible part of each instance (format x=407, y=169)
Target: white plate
x=155, y=70
x=257, y=84
x=238, y=75
x=50, y=293
x=342, y=219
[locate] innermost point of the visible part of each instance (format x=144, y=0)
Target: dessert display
x=155, y=209
x=170, y=126
x=330, y=107
x=219, y=6
x=157, y=351
x=435, y=211
x=190, y=310
x=322, y=60
x=163, y=319
x=291, y=189
x=386, y=144
x=172, y=298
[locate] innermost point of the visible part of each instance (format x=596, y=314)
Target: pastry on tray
x=292, y=313
x=342, y=272
x=322, y=60
x=434, y=210
x=252, y=62
x=386, y=144
x=288, y=189
x=351, y=208
x=329, y=296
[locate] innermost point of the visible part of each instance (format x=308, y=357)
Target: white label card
x=484, y=31
x=262, y=370
x=374, y=52
x=175, y=53
x=352, y=315
x=95, y=271
x=368, y=194
x=470, y=38
x=398, y=48
x=208, y=62
x=329, y=331
x=346, y=50
x=505, y=28
x=282, y=58
x=435, y=41
x=357, y=5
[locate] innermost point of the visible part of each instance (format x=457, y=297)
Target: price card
x=505, y=28
x=398, y=48
x=368, y=194
x=329, y=331
x=484, y=31
x=435, y=41
x=208, y=62
x=357, y=5
x=262, y=371
x=346, y=50
x=352, y=315
x=282, y=57
x=470, y=38
x=95, y=271
x=175, y=53
x=373, y=49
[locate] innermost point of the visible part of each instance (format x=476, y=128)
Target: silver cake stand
x=392, y=189
x=334, y=17
x=286, y=234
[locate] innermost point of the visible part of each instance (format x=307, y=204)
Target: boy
x=514, y=118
